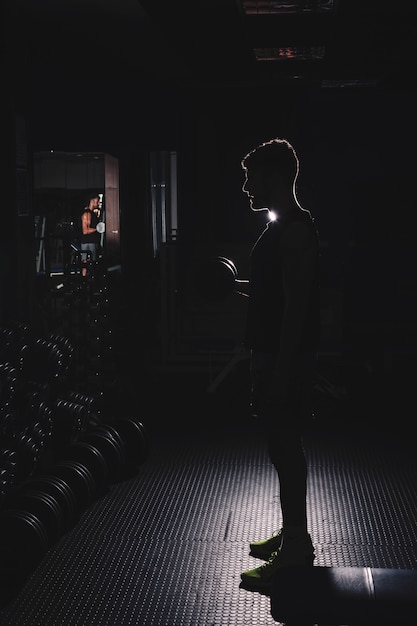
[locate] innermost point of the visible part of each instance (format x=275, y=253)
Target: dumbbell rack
x=86, y=323
x=60, y=448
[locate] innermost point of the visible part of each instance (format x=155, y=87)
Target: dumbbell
x=110, y=443
x=79, y=479
x=218, y=278
x=42, y=505
x=92, y=459
x=23, y=543
x=59, y=491
x=134, y=436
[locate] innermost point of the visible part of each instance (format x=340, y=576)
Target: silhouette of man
x=282, y=335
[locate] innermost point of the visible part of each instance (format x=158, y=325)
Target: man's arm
x=86, y=223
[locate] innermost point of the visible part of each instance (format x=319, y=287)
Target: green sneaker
x=264, y=548
x=259, y=578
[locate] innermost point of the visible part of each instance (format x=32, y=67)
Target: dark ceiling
x=335, y=44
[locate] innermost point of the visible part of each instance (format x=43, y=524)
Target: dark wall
x=357, y=166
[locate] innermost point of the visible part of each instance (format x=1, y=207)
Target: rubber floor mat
x=166, y=547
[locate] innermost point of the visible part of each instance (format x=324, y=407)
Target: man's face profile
x=256, y=188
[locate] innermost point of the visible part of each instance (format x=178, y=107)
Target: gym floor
x=166, y=546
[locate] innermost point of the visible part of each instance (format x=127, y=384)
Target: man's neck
x=284, y=207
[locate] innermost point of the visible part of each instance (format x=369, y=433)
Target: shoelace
x=269, y=561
